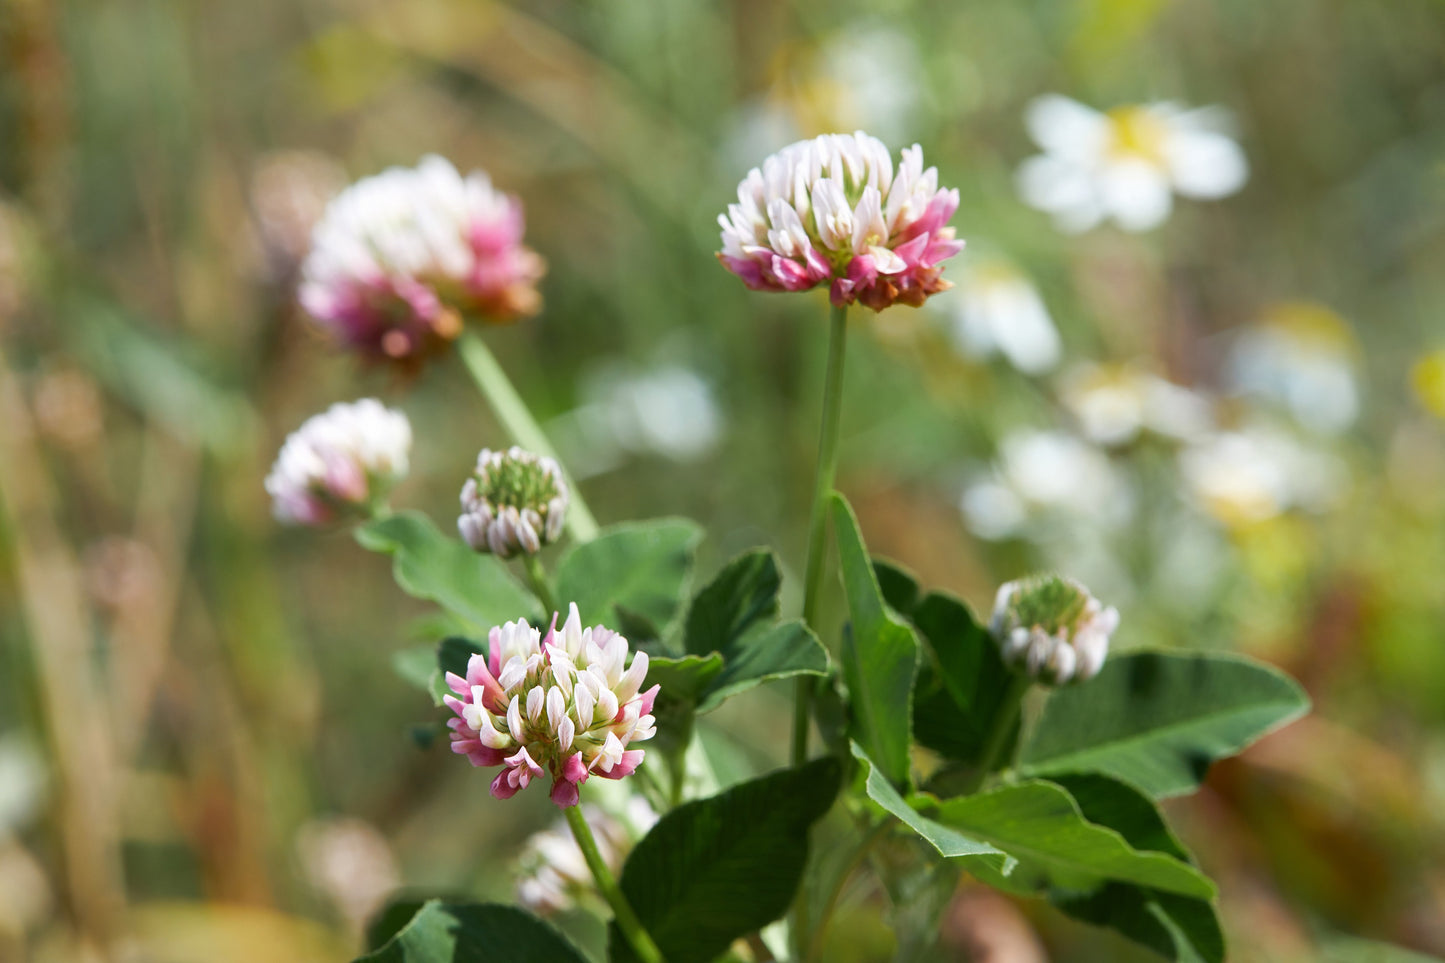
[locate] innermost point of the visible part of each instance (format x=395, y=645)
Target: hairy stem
x=627, y=920
x=537, y=582
x=1003, y=726
x=818, y=523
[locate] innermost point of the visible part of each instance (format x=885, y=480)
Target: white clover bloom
x=1115, y=403
x=553, y=873
x=1052, y=629
x=1126, y=164
x=400, y=258
x=341, y=462
x=515, y=502
x=1044, y=473
x=1259, y=472
x=567, y=705
x=831, y=210
x=998, y=310
x=1304, y=357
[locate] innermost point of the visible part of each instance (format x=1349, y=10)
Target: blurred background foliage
x=204, y=751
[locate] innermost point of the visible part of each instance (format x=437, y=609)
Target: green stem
x=815, y=940
x=518, y=422
x=627, y=920
x=1003, y=727
x=818, y=523
x=537, y=581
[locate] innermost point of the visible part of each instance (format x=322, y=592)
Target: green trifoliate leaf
x=444, y=932
x=641, y=567
x=963, y=687
x=477, y=589
x=719, y=868
x=1158, y=719
x=1178, y=928
x=947, y=840
x=735, y=615
x=880, y=657
x=1057, y=849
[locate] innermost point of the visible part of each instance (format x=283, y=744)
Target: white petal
x=1205, y=165
x=1066, y=127
x=1136, y=193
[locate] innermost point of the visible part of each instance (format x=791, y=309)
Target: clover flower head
x=832, y=209
x=398, y=259
x=566, y=705
x=340, y=462
x=1127, y=163
x=515, y=502
x=1052, y=629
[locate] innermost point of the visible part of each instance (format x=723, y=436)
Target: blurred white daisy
x=1115, y=403
x=1044, y=473
x=999, y=311
x=1127, y=163
x=667, y=411
x=1259, y=472
x=1304, y=357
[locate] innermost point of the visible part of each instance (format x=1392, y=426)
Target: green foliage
x=1057, y=849
x=477, y=589
x=716, y=869
x=444, y=932
x=947, y=840
x=1176, y=927
x=880, y=657
x=735, y=615
x=963, y=687
x=640, y=568
x=1157, y=720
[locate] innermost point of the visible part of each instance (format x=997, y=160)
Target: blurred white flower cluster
x=552, y=872
x=401, y=258
x=1126, y=164
x=1304, y=358
x=667, y=411
x=338, y=463
x=998, y=310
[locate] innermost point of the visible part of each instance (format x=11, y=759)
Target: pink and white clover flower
x=567, y=705
x=399, y=259
x=339, y=463
x=832, y=210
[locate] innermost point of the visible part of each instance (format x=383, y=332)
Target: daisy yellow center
x=1313, y=327
x=1428, y=379
x=1138, y=132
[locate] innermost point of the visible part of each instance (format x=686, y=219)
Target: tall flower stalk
x=627, y=921
x=823, y=474
x=832, y=210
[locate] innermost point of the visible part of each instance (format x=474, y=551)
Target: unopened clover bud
x=561, y=705
x=514, y=503
x=340, y=463
x=1052, y=629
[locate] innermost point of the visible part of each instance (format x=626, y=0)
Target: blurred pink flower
x=340, y=462
x=401, y=259
x=562, y=705
x=830, y=209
